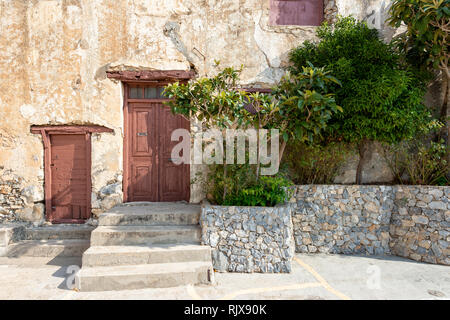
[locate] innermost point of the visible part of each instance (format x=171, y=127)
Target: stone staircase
x=50, y=241
x=145, y=245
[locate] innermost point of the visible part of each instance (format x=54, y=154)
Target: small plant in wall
x=380, y=96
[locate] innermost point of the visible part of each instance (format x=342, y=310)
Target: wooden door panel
x=69, y=177
x=143, y=166
x=172, y=176
x=143, y=145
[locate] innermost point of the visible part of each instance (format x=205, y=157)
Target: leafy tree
x=216, y=102
x=299, y=107
x=381, y=97
x=426, y=40
x=305, y=105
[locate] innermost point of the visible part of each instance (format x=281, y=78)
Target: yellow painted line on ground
x=322, y=281
x=270, y=289
x=194, y=295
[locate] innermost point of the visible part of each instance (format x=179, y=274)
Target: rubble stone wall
x=407, y=221
x=249, y=239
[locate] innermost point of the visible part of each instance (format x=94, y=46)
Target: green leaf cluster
x=380, y=96
x=305, y=103
x=426, y=40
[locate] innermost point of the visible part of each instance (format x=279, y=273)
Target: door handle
x=142, y=134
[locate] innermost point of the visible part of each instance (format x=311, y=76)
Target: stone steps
x=48, y=248
x=161, y=275
x=136, y=255
x=147, y=213
x=59, y=232
x=139, y=235
x=146, y=245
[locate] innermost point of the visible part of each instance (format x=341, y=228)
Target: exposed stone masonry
x=407, y=221
x=249, y=239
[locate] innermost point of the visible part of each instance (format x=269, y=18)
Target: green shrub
x=243, y=188
x=267, y=191
x=316, y=164
x=305, y=104
x=419, y=162
x=381, y=96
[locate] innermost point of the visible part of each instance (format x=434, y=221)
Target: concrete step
x=151, y=213
x=135, y=255
x=11, y=233
x=139, y=235
x=162, y=275
x=48, y=248
x=59, y=232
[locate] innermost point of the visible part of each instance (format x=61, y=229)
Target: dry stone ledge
x=249, y=239
x=407, y=221
x=343, y=219
x=420, y=224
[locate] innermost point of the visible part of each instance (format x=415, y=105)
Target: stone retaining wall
x=420, y=224
x=342, y=219
x=249, y=239
x=407, y=221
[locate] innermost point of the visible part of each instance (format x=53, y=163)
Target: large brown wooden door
x=150, y=174
x=70, y=185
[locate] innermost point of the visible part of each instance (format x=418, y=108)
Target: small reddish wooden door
x=150, y=174
x=70, y=177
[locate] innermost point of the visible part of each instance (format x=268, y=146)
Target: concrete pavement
x=314, y=277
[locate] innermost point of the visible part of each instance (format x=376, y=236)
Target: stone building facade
x=55, y=57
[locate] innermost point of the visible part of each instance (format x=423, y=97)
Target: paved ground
x=313, y=277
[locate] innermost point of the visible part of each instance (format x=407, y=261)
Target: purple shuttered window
x=296, y=12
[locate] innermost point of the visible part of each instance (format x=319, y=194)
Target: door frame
x=150, y=78
x=46, y=131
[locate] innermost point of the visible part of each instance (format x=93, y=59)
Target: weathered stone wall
x=342, y=219
x=420, y=224
x=19, y=201
x=54, y=56
x=249, y=239
x=407, y=221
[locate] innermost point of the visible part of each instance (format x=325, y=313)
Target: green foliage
x=305, y=103
x=426, y=41
x=215, y=101
x=243, y=189
x=316, y=164
x=381, y=98
x=417, y=162
x=268, y=191
x=300, y=108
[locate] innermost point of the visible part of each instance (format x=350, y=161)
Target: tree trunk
x=363, y=149
x=225, y=189
x=258, y=156
x=282, y=148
